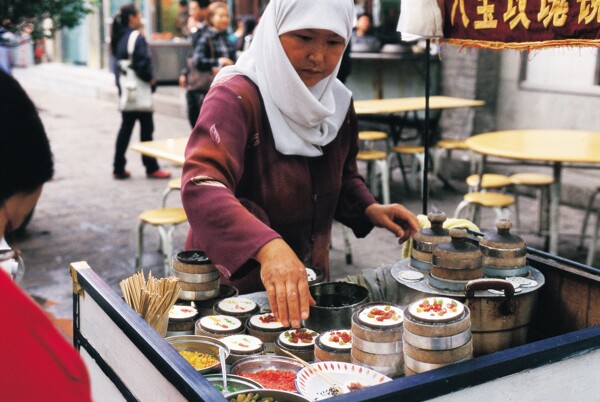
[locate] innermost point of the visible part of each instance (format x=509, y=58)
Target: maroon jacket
x=267, y=194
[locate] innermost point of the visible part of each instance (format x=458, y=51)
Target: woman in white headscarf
x=272, y=159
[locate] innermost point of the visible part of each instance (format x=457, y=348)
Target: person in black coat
x=125, y=22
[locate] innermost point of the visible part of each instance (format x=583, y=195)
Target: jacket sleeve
x=355, y=197
x=141, y=60
x=220, y=224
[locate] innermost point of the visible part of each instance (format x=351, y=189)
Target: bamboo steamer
x=433, y=339
x=198, y=277
x=288, y=341
x=425, y=240
x=334, y=345
x=455, y=263
x=182, y=319
x=504, y=254
x=218, y=326
x=378, y=344
x=266, y=328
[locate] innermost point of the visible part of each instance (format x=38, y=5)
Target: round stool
x=541, y=183
x=379, y=159
x=172, y=185
x=418, y=161
x=490, y=180
x=498, y=201
x=372, y=136
x=160, y=218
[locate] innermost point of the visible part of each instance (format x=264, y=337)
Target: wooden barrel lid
x=426, y=239
x=192, y=262
x=502, y=249
x=456, y=256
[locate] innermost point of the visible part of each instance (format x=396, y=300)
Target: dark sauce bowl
x=336, y=302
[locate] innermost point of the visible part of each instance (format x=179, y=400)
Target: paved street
x=84, y=214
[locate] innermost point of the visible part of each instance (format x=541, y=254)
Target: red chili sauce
x=283, y=380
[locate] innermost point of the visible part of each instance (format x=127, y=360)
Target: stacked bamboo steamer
x=377, y=338
x=425, y=240
x=504, y=254
x=455, y=263
x=437, y=332
x=198, y=277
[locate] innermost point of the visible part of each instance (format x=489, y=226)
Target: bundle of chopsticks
x=152, y=299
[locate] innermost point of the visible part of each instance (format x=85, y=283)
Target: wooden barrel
x=300, y=342
x=504, y=254
x=334, y=345
x=198, y=277
x=377, y=338
x=219, y=326
x=266, y=328
x=241, y=346
x=455, y=263
x=425, y=240
x=182, y=320
x=239, y=307
x=437, y=332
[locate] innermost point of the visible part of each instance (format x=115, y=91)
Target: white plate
x=311, y=385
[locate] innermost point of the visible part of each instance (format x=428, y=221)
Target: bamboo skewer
x=341, y=389
x=152, y=299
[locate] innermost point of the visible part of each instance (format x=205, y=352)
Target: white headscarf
x=302, y=119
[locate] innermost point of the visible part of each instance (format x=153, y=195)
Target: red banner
x=522, y=24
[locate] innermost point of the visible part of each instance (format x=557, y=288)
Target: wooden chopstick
x=329, y=380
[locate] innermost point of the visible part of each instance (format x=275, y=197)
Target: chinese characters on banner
x=522, y=24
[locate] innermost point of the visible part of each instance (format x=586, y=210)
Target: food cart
x=128, y=360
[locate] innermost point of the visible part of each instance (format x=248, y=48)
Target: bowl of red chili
x=273, y=372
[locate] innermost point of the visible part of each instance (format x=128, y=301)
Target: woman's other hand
x=284, y=277
x=182, y=81
x=395, y=218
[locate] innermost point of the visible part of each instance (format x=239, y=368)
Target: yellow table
x=403, y=105
x=545, y=145
x=172, y=149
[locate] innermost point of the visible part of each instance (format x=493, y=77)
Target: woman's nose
x=317, y=55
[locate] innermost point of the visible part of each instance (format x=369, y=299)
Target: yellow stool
x=379, y=159
x=172, y=185
x=541, y=183
x=592, y=250
x=498, y=201
x=490, y=181
x=160, y=218
x=372, y=136
x=418, y=161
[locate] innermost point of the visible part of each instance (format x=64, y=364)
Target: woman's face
x=135, y=21
x=220, y=19
x=314, y=53
x=16, y=208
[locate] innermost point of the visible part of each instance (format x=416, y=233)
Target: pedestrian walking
x=126, y=23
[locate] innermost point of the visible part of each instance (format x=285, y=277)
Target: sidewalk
x=84, y=214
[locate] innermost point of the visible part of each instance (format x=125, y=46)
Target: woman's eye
x=304, y=38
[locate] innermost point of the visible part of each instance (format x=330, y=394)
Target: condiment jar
x=504, y=254
x=425, y=240
x=455, y=263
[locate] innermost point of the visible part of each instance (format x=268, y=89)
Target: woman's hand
x=182, y=81
x=395, y=218
x=284, y=277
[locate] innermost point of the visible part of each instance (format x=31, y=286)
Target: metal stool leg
x=140, y=246
x=385, y=179
x=166, y=236
x=592, y=249
x=588, y=211
x=461, y=206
